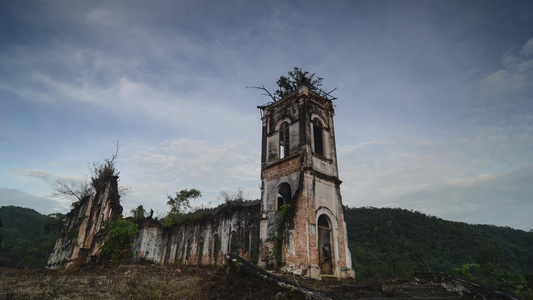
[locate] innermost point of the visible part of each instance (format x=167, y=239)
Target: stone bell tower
x=302, y=226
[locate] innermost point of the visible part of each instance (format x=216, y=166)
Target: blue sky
x=434, y=110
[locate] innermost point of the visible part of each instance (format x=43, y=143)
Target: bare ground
x=136, y=281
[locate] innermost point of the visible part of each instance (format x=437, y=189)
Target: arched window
x=187, y=252
x=176, y=260
x=283, y=140
x=233, y=243
x=200, y=250
x=254, y=245
x=216, y=248
x=284, y=194
x=324, y=245
x=318, y=138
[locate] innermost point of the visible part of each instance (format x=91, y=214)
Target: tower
x=302, y=227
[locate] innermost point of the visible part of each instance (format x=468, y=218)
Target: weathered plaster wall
x=82, y=235
x=193, y=242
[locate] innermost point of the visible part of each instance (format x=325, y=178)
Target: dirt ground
x=136, y=281
x=112, y=282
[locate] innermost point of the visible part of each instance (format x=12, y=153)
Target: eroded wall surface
x=233, y=229
x=82, y=235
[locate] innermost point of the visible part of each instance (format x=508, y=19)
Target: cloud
x=173, y=165
x=41, y=204
x=455, y=179
x=35, y=173
x=511, y=84
x=196, y=158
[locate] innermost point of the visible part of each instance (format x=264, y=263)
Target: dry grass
x=123, y=282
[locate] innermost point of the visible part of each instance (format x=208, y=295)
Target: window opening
x=324, y=245
x=216, y=248
x=254, y=245
x=188, y=252
x=200, y=250
x=284, y=194
x=318, y=136
x=283, y=140
x=176, y=260
x=233, y=243
x=168, y=259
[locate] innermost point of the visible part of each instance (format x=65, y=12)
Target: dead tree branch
x=274, y=98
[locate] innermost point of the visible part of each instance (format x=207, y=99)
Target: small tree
x=138, y=213
x=180, y=204
x=101, y=172
x=296, y=78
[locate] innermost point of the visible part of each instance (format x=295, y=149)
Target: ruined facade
x=298, y=225
x=203, y=241
x=82, y=235
x=302, y=226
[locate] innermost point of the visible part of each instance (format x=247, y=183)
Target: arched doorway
x=324, y=245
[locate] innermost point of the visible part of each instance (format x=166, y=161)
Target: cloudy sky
x=434, y=110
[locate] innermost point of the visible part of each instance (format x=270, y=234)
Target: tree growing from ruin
x=64, y=188
x=234, y=197
x=295, y=78
x=101, y=173
x=180, y=204
x=138, y=213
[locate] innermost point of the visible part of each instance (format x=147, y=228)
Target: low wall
x=234, y=229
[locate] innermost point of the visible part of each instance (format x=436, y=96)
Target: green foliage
x=282, y=215
x=179, y=205
x=54, y=223
x=170, y=220
x=28, y=237
x=510, y=282
x=119, y=235
x=296, y=78
x=181, y=202
x=102, y=172
x=138, y=213
x=465, y=271
x=490, y=257
x=282, y=212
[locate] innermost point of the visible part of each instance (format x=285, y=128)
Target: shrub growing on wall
x=119, y=234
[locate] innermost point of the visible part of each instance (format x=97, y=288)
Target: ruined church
x=297, y=227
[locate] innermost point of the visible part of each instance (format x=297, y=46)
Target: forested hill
x=24, y=240
x=385, y=243
x=389, y=243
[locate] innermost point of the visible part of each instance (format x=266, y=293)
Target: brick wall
x=284, y=167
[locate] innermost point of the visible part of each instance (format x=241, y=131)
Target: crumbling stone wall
x=203, y=241
x=82, y=236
